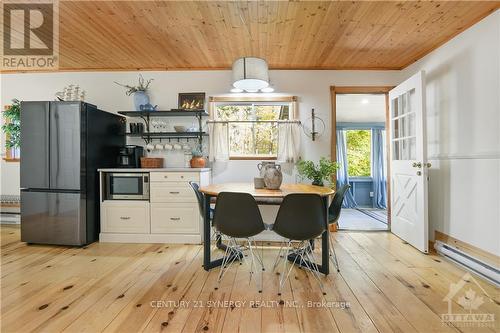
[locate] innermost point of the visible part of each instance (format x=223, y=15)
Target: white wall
x=312, y=88
x=463, y=126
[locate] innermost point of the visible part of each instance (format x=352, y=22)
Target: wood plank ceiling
x=164, y=35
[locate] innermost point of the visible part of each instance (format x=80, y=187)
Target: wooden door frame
x=334, y=90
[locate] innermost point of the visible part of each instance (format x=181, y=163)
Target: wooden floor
x=384, y=286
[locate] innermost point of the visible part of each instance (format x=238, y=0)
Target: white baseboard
x=149, y=238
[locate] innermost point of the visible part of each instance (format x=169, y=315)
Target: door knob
x=417, y=165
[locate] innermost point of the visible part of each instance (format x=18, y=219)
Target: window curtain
x=218, y=147
x=288, y=142
x=379, y=169
x=342, y=172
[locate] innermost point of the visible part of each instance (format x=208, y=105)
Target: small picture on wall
x=192, y=101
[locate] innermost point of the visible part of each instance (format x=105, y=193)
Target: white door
x=409, y=165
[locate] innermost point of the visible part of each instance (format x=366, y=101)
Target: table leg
x=206, y=234
x=325, y=251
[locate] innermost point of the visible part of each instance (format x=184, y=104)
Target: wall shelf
x=167, y=113
x=149, y=136
x=167, y=135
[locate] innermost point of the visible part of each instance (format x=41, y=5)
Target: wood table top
x=215, y=189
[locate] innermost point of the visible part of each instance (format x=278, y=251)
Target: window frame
x=214, y=100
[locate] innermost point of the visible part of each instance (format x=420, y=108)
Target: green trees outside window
x=359, y=146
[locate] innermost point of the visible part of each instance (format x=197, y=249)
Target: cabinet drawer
x=174, y=177
x=125, y=217
x=171, y=192
x=174, y=218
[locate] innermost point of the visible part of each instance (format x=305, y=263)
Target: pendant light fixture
x=250, y=74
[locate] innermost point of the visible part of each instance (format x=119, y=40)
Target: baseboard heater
x=471, y=264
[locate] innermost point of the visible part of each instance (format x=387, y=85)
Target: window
x=253, y=129
x=359, y=146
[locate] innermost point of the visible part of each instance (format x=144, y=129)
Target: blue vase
x=140, y=98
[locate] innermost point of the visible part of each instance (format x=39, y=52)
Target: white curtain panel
x=218, y=142
x=288, y=142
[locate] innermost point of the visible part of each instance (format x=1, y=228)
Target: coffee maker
x=130, y=156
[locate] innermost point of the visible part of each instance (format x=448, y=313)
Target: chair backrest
x=301, y=217
x=237, y=215
x=336, y=205
x=199, y=196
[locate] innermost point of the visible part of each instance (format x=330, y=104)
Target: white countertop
x=154, y=170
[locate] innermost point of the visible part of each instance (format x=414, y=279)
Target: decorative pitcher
x=262, y=166
x=140, y=98
x=273, y=176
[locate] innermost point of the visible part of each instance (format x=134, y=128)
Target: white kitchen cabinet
x=125, y=216
x=171, y=215
x=171, y=192
x=177, y=218
x=175, y=177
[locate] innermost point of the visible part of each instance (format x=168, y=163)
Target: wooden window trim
x=258, y=99
x=253, y=158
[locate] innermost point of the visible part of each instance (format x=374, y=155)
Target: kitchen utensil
x=140, y=128
x=178, y=128
x=133, y=127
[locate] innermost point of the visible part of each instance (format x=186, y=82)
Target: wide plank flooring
x=384, y=285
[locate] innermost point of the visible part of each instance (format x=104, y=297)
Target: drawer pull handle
x=174, y=192
x=165, y=176
x=182, y=177
x=175, y=218
x=124, y=217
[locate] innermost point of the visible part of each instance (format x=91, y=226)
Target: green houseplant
x=12, y=125
x=318, y=173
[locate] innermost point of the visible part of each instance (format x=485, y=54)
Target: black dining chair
x=302, y=218
x=237, y=216
x=333, y=218
x=200, y=197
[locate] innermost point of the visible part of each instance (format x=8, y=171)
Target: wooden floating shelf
x=166, y=113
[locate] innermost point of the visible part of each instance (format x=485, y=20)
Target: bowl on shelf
x=180, y=128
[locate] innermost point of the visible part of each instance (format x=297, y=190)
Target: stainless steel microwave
x=127, y=186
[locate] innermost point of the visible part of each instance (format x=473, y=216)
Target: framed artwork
x=192, y=101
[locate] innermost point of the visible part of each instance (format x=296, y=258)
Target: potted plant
x=139, y=91
x=318, y=173
x=197, y=161
x=12, y=126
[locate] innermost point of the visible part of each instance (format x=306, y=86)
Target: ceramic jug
x=273, y=176
x=262, y=166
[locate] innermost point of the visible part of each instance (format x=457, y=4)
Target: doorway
x=359, y=143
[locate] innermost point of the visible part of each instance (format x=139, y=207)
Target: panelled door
x=409, y=219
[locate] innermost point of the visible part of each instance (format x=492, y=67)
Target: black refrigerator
x=63, y=144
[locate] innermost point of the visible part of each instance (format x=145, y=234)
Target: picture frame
x=191, y=101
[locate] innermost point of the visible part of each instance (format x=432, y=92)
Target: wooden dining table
x=213, y=190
